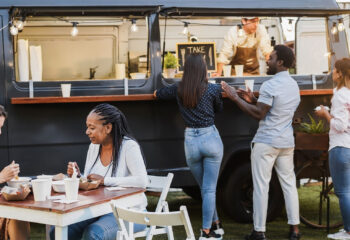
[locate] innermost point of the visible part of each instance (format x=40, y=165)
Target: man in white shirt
x=273, y=144
x=241, y=44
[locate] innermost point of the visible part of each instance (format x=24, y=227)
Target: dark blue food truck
x=113, y=51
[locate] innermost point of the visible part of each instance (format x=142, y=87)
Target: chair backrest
x=177, y=218
x=158, y=183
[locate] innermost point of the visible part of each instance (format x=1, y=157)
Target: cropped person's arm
x=166, y=92
x=136, y=167
x=339, y=120
x=218, y=103
x=258, y=110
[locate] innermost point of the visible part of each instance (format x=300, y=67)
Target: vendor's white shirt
x=130, y=170
x=232, y=40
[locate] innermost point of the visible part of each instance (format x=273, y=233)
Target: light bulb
x=134, y=27
x=13, y=30
x=185, y=30
x=341, y=26
x=290, y=25
x=74, y=32
x=19, y=24
x=334, y=29
x=240, y=30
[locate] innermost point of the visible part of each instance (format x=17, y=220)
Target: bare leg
x=19, y=230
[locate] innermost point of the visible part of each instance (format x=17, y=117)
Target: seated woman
x=9, y=228
x=115, y=158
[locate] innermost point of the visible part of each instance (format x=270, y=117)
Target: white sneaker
x=339, y=235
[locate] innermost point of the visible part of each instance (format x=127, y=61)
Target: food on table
x=15, y=194
x=88, y=184
x=16, y=183
x=58, y=177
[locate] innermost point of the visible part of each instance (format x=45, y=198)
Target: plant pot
x=170, y=72
x=311, y=141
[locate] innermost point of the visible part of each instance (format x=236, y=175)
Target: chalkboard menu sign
x=207, y=49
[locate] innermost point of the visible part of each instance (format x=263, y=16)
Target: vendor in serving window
x=241, y=44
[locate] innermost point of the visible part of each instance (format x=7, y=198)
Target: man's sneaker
x=217, y=228
x=211, y=235
x=256, y=236
x=294, y=236
x=342, y=234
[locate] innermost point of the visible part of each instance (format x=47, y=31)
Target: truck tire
x=194, y=192
x=237, y=198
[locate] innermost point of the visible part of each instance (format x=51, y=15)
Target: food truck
x=113, y=51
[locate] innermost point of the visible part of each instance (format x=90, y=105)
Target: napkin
x=115, y=188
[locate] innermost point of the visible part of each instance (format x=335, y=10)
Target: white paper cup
x=41, y=189
x=120, y=71
x=239, y=70
x=249, y=83
x=72, y=188
x=66, y=89
x=227, y=70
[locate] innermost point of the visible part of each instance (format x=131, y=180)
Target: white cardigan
x=130, y=170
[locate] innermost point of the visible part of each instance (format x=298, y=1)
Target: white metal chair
x=177, y=218
x=162, y=185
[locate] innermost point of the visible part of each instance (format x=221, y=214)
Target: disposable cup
x=71, y=187
x=65, y=89
x=249, y=83
x=227, y=70
x=239, y=70
x=41, y=189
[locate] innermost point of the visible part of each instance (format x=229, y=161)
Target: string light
x=134, y=27
x=13, y=30
x=185, y=30
x=74, y=32
x=290, y=25
x=240, y=30
x=334, y=29
x=341, y=26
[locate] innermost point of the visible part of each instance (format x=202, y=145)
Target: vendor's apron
x=248, y=58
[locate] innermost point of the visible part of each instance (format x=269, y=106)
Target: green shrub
x=170, y=61
x=313, y=126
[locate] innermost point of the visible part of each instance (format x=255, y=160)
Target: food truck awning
x=311, y=8
x=109, y=7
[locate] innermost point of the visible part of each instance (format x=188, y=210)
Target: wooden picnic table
x=93, y=203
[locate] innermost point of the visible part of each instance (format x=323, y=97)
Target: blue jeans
x=204, y=150
x=339, y=165
x=104, y=227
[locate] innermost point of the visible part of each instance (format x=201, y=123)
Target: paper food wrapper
x=23, y=60
x=36, y=63
x=15, y=194
x=86, y=185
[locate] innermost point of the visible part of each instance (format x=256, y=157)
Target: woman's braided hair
x=120, y=129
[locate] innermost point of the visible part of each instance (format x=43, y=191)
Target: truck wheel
x=238, y=196
x=193, y=191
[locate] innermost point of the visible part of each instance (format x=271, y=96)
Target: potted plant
x=312, y=136
x=170, y=65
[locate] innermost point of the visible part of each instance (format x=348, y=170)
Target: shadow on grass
x=276, y=230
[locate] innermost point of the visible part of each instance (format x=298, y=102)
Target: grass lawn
x=276, y=230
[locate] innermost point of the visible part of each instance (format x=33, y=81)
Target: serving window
x=82, y=49
x=310, y=44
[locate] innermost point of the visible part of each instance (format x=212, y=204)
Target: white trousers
x=263, y=158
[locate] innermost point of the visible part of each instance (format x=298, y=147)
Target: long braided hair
x=120, y=128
